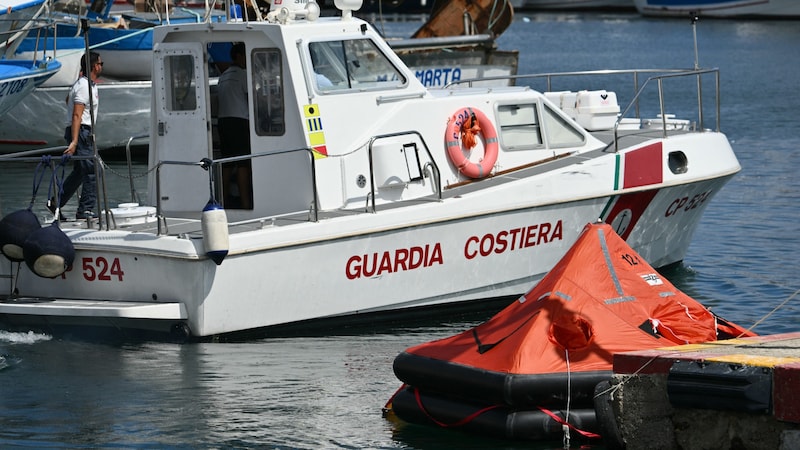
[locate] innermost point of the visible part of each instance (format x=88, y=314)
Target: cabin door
x=182, y=137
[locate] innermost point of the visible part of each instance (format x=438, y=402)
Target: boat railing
x=430, y=164
x=129, y=161
x=51, y=156
x=659, y=80
x=214, y=168
x=443, y=42
x=650, y=76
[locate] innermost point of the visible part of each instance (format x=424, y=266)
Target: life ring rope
x=463, y=130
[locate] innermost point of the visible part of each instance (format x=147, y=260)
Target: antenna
x=695, y=18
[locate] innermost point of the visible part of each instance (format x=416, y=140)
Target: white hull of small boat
x=365, y=199
x=774, y=9
x=40, y=120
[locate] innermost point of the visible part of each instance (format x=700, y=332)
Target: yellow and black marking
x=316, y=135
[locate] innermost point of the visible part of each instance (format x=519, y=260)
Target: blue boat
x=18, y=78
x=125, y=40
x=67, y=50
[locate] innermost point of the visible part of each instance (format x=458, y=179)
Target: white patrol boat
x=366, y=194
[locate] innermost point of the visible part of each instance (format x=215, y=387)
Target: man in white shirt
x=78, y=134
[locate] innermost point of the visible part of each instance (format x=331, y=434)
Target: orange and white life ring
x=460, y=136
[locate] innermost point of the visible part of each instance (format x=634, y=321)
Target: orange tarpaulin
x=600, y=299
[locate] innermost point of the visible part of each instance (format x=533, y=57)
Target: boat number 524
x=686, y=203
x=101, y=269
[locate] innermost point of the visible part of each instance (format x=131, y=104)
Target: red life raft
x=549, y=349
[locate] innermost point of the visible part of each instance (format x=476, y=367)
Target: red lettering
x=99, y=269
x=500, y=242
x=416, y=258
x=116, y=269
x=88, y=269
x=400, y=257
x=530, y=236
x=353, y=267
x=518, y=238
x=102, y=264
x=558, y=232
x=386, y=263
x=371, y=271
x=467, y=253
x=436, y=256
x=514, y=234
x=544, y=230
x=487, y=243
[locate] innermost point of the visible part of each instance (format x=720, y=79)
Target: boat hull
x=326, y=270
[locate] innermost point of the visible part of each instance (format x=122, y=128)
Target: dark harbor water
x=327, y=392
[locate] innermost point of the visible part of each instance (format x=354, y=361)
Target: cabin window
x=181, y=86
x=519, y=126
x=268, y=87
x=352, y=64
x=559, y=132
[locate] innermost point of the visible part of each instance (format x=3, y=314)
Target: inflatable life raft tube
x=533, y=424
x=545, y=389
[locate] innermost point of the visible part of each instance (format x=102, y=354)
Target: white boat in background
x=372, y=195
x=765, y=9
x=572, y=5
x=39, y=121
x=128, y=51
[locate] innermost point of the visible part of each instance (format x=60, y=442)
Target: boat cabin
x=336, y=121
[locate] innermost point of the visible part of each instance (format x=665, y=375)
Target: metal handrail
x=660, y=81
x=214, y=168
x=27, y=156
x=129, y=160
x=431, y=160
x=662, y=74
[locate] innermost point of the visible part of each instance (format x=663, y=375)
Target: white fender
x=215, y=232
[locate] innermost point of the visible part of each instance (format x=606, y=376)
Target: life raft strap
x=461, y=422
x=558, y=419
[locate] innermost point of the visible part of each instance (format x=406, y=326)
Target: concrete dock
x=734, y=394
